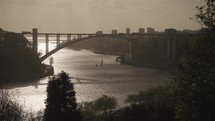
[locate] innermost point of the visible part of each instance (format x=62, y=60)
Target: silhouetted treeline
x=18, y=61
x=151, y=105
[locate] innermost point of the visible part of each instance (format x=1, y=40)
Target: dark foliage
x=194, y=82
x=193, y=86
x=9, y=110
x=206, y=14
x=101, y=109
x=151, y=105
x=61, y=102
x=18, y=61
x=145, y=112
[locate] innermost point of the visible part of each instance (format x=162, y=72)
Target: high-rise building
x=141, y=31
x=150, y=30
x=170, y=31
x=114, y=31
x=127, y=30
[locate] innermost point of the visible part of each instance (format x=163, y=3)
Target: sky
x=92, y=15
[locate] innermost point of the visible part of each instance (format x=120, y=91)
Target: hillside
x=106, y=45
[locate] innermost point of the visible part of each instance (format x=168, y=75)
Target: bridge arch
x=71, y=42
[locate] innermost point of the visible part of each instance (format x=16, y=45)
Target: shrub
x=9, y=109
x=99, y=110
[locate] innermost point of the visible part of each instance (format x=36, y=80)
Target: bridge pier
x=160, y=45
x=168, y=47
x=171, y=43
x=47, y=43
x=68, y=37
x=58, y=40
x=130, y=49
x=79, y=36
x=35, y=34
x=174, y=41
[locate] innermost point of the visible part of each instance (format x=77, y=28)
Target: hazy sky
x=93, y=15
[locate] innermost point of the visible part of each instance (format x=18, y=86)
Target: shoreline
x=166, y=67
x=31, y=81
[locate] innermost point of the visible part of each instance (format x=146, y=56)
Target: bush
x=194, y=81
x=99, y=110
x=151, y=105
x=34, y=116
x=10, y=110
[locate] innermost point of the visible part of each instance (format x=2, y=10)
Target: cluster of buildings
x=149, y=30
x=128, y=31
x=141, y=31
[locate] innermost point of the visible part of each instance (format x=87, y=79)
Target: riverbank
x=19, y=62
x=140, y=63
x=30, y=79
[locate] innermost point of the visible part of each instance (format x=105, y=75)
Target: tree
x=16, y=54
x=150, y=105
x=9, y=109
x=99, y=110
x=61, y=102
x=193, y=85
x=105, y=104
x=206, y=14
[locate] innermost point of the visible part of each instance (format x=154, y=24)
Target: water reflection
x=90, y=81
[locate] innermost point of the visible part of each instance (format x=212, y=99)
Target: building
x=170, y=31
x=114, y=31
x=150, y=30
x=141, y=31
x=128, y=31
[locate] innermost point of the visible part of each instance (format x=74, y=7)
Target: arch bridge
x=165, y=44
x=72, y=38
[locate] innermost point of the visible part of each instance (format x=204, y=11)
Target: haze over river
x=91, y=80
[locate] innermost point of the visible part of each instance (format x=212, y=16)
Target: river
x=91, y=80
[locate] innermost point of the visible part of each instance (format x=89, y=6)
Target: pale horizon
x=93, y=15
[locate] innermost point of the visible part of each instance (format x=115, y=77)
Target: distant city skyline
x=95, y=15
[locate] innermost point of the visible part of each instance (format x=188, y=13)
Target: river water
x=91, y=80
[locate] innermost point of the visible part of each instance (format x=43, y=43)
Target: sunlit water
x=93, y=81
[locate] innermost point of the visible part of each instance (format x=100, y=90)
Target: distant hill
x=104, y=45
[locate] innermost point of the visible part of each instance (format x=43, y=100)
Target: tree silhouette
x=99, y=110
x=105, y=104
x=10, y=110
x=206, y=15
x=18, y=60
x=193, y=85
x=61, y=102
